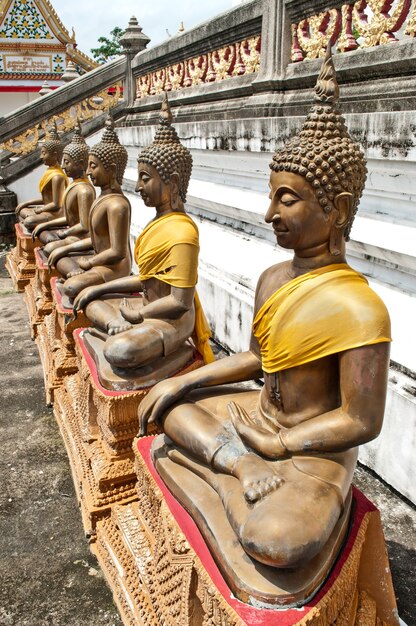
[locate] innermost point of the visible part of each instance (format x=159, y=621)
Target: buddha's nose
x=272, y=217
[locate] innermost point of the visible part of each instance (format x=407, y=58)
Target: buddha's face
x=299, y=222
x=49, y=158
x=153, y=190
x=100, y=176
x=72, y=168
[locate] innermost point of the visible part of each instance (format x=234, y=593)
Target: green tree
x=110, y=47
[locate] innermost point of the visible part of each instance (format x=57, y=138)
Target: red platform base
x=157, y=561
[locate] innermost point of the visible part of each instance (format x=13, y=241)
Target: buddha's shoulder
x=275, y=275
x=271, y=280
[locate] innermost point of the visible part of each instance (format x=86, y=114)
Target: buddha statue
x=280, y=460
x=52, y=186
x=155, y=324
x=106, y=252
x=77, y=200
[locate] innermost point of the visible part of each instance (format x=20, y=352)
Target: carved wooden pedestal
x=38, y=294
x=98, y=427
x=20, y=262
x=161, y=571
x=56, y=345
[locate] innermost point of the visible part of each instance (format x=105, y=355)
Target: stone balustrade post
x=275, y=45
x=133, y=41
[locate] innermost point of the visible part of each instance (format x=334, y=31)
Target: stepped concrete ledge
x=47, y=574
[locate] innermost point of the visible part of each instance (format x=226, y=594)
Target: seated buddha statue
x=166, y=311
x=52, y=186
x=106, y=251
x=77, y=200
x=280, y=459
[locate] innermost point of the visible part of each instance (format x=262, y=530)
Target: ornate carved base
x=56, y=345
x=98, y=427
x=20, y=261
x=161, y=571
x=38, y=295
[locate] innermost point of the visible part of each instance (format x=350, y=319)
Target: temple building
x=34, y=47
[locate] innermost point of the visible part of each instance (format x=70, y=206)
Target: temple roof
x=29, y=28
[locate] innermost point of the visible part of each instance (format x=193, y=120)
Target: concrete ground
x=47, y=574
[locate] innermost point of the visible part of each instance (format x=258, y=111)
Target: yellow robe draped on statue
x=159, y=254
x=323, y=312
x=52, y=171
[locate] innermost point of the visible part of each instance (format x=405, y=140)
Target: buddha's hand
x=84, y=297
x=19, y=208
x=37, y=231
x=61, y=234
x=85, y=263
x=38, y=209
x=53, y=258
x=158, y=401
x=131, y=315
x=264, y=441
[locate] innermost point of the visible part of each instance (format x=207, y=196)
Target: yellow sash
x=157, y=256
x=52, y=171
x=323, y=312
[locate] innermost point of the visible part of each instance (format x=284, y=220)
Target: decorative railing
x=86, y=98
x=66, y=120
x=363, y=24
x=231, y=60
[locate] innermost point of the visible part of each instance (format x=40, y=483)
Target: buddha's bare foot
x=256, y=477
x=118, y=325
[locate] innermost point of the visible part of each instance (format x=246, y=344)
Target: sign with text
x=27, y=64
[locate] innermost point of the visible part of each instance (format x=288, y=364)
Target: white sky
x=92, y=19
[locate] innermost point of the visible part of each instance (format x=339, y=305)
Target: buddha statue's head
x=51, y=147
x=107, y=159
x=166, y=163
x=324, y=161
x=75, y=155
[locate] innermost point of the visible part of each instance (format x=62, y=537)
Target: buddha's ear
x=174, y=191
x=343, y=203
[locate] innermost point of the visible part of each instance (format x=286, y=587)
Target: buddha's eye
x=287, y=199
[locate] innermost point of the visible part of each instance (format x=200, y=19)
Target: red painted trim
x=22, y=88
x=249, y=614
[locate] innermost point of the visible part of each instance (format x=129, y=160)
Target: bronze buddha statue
x=77, y=200
x=280, y=461
x=52, y=186
x=155, y=324
x=107, y=249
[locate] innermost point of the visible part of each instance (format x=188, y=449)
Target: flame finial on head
x=326, y=88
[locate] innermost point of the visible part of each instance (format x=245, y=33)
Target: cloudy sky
x=93, y=19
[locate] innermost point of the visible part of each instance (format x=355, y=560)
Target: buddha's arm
x=178, y=302
x=83, y=245
x=85, y=198
x=58, y=188
x=40, y=228
x=118, y=229
x=363, y=386
x=232, y=369
x=28, y=203
x=127, y=284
